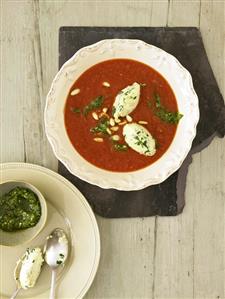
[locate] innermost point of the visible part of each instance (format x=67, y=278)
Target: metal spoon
x=32, y=259
x=14, y=295
x=56, y=252
x=16, y=277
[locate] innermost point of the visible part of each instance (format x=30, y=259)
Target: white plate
x=168, y=66
x=67, y=208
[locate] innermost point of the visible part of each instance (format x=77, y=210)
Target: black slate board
x=167, y=198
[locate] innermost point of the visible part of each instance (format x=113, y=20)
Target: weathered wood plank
x=190, y=247
x=159, y=13
x=212, y=28
x=13, y=90
x=208, y=206
x=125, y=269
x=23, y=99
x=174, y=247
x=210, y=189
x=184, y=13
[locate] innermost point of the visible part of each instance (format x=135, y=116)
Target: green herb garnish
x=102, y=126
x=75, y=110
x=157, y=101
x=149, y=103
x=142, y=142
x=163, y=113
x=169, y=117
x=120, y=147
x=94, y=104
x=58, y=262
x=61, y=255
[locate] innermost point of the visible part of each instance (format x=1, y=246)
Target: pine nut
x=104, y=110
x=95, y=115
x=98, y=139
x=122, y=123
x=117, y=120
x=129, y=118
x=108, y=131
x=75, y=92
x=112, y=122
x=102, y=114
x=142, y=122
x=116, y=137
x=106, y=84
x=114, y=129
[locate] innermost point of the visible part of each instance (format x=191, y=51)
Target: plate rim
x=87, y=285
x=91, y=173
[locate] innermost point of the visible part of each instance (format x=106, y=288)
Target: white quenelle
x=29, y=267
x=139, y=139
x=126, y=100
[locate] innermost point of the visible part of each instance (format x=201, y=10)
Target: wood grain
x=184, y=13
x=177, y=258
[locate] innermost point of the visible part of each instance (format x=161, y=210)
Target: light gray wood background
x=179, y=257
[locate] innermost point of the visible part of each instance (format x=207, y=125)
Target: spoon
x=14, y=295
x=16, y=277
x=56, y=252
x=27, y=270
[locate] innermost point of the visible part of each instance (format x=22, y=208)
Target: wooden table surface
x=170, y=257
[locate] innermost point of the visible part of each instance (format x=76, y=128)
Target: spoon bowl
x=56, y=252
x=56, y=248
x=28, y=269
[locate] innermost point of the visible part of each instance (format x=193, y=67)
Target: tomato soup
x=91, y=99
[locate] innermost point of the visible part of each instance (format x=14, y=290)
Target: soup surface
x=89, y=114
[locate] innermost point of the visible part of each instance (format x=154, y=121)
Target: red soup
x=90, y=105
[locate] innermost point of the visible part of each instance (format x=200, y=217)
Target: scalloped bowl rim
x=151, y=55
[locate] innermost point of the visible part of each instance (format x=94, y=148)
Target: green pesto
x=19, y=209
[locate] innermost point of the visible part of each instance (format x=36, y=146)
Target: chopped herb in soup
x=163, y=113
x=19, y=209
x=94, y=104
x=124, y=116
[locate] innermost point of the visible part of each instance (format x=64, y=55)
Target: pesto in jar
x=20, y=208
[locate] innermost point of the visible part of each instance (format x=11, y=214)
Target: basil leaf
x=169, y=117
x=75, y=110
x=157, y=101
x=94, y=104
x=101, y=127
x=163, y=113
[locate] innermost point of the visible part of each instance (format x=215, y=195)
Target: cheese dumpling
x=30, y=268
x=139, y=139
x=126, y=100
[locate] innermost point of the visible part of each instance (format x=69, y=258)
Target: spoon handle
x=15, y=293
x=53, y=285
